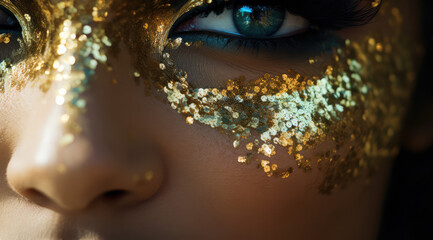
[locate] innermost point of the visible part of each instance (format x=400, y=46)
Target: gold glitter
x=190, y=120
x=376, y=3
x=250, y=146
x=61, y=49
x=27, y=17
x=242, y=159
x=294, y=111
x=285, y=174
x=379, y=47
x=329, y=70
x=299, y=112
x=5, y=38
x=312, y=60
x=68, y=69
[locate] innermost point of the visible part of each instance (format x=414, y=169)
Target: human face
x=93, y=145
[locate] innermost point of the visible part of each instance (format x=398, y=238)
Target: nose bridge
x=79, y=46
x=71, y=174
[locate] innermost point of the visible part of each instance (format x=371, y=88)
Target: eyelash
x=328, y=14
x=339, y=14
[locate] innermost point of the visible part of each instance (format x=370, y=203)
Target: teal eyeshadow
x=312, y=42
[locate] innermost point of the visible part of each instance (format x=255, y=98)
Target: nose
x=105, y=166
x=74, y=180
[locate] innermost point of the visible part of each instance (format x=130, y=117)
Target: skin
x=198, y=190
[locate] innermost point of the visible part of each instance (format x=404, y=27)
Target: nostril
x=114, y=195
x=117, y=197
x=36, y=196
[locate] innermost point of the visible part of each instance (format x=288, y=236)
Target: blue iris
x=258, y=21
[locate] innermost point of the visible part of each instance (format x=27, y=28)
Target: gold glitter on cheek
x=362, y=93
x=357, y=97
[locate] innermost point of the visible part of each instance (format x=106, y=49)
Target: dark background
x=408, y=209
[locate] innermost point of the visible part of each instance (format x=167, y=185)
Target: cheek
x=211, y=68
x=343, y=121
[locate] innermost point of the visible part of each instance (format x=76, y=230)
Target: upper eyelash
x=328, y=14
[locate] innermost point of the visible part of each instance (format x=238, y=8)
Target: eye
x=8, y=22
x=275, y=27
x=249, y=21
x=10, y=32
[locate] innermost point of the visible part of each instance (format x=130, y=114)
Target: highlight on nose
x=70, y=182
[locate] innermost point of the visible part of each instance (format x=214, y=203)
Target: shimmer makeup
x=352, y=105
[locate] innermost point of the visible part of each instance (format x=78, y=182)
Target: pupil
x=10, y=21
x=258, y=21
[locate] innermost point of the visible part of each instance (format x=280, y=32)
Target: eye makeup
x=354, y=107
x=309, y=30
x=326, y=14
x=64, y=42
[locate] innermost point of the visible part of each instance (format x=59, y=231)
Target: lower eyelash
x=310, y=42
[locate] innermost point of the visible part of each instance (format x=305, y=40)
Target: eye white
x=223, y=23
